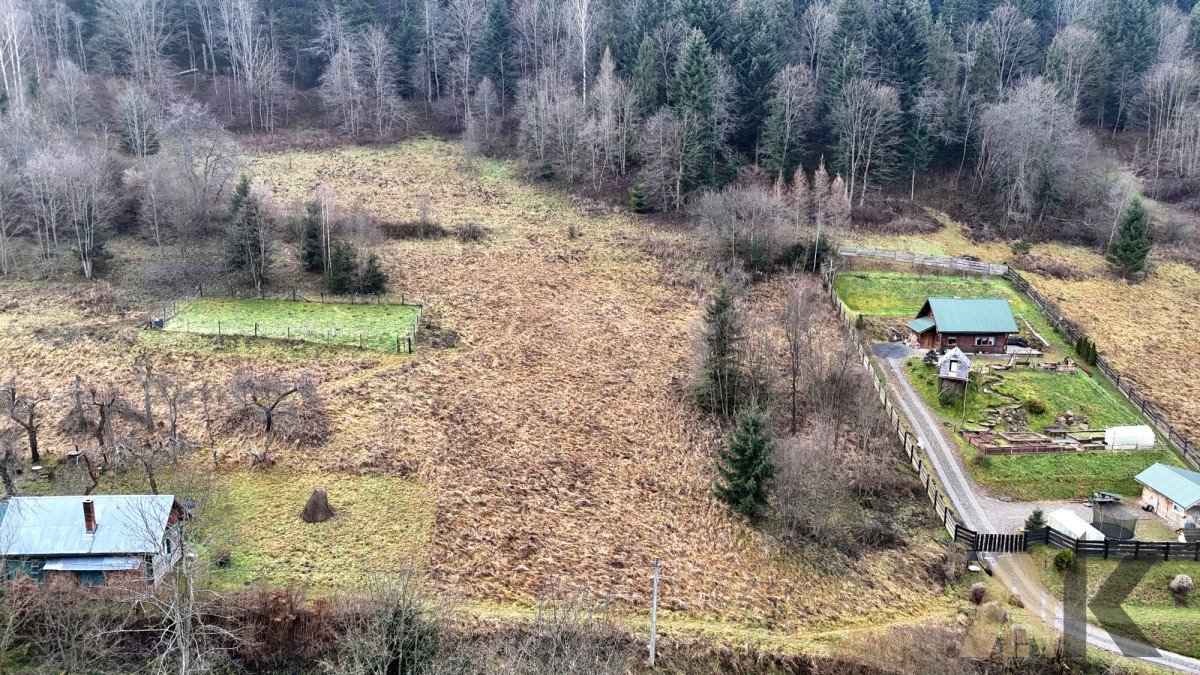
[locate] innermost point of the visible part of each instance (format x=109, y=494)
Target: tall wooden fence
x=1063, y=325
x=941, y=505
x=1048, y=536
x=961, y=264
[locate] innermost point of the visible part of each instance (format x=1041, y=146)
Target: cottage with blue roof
x=1173, y=493
x=974, y=325
x=93, y=540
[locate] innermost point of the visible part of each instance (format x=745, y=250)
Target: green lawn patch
x=371, y=326
x=380, y=524
x=1065, y=475
x=1150, y=607
x=901, y=295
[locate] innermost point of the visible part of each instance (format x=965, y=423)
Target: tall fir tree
x=499, y=62
x=240, y=192
x=248, y=247
x=647, y=15
x=693, y=96
x=757, y=52
x=1129, y=249
x=312, y=258
x=649, y=82
x=1193, y=32
x=372, y=280
x=716, y=391
x=1127, y=29
x=983, y=81
x=958, y=16
x=710, y=17
x=744, y=466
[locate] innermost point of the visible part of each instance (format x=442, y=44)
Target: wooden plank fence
x=961, y=264
x=1048, y=536
x=1063, y=325
x=941, y=505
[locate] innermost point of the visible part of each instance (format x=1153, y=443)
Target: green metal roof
x=921, y=325
x=972, y=315
x=1179, y=485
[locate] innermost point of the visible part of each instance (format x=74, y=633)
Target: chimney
x=89, y=516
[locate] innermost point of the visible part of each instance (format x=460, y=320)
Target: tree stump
x=317, y=510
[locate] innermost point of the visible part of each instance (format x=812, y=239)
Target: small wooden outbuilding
x=954, y=371
x=975, y=325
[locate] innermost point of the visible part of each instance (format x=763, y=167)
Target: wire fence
x=1067, y=328
x=342, y=329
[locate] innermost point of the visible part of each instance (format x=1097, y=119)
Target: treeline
x=665, y=99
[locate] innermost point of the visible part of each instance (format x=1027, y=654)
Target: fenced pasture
x=382, y=327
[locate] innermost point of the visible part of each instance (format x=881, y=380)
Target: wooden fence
x=1048, y=536
x=941, y=505
x=961, y=264
x=1063, y=325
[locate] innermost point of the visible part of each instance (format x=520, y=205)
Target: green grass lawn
x=1052, y=475
x=900, y=295
x=376, y=326
x=1151, y=607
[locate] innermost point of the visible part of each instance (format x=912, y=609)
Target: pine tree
x=710, y=17
x=248, y=246
x=372, y=280
x=959, y=16
x=649, y=82
x=900, y=43
x=499, y=54
x=983, y=82
x=647, y=15
x=1127, y=29
x=745, y=466
x=716, y=391
x=1128, y=251
x=311, y=257
x=240, y=192
x=694, y=101
x=343, y=268
x=1193, y=32
x=1036, y=521
x=757, y=52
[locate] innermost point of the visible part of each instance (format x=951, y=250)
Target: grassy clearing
x=371, y=326
x=380, y=524
x=900, y=295
x=1150, y=607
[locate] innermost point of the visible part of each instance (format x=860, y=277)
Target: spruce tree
x=343, y=268
x=959, y=16
x=240, y=192
x=710, y=17
x=1127, y=30
x=782, y=138
x=716, y=389
x=1128, y=251
x=311, y=255
x=983, y=82
x=694, y=101
x=499, y=54
x=745, y=466
x=1036, y=521
x=649, y=82
x=757, y=52
x=1193, y=32
x=900, y=43
x=372, y=280
x=248, y=248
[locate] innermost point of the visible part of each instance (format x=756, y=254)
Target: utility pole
x=654, y=614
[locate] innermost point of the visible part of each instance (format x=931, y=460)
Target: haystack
x=317, y=510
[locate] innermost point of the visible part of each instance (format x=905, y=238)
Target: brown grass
x=558, y=456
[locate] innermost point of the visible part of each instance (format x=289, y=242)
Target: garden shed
x=1171, y=492
x=976, y=325
x=954, y=370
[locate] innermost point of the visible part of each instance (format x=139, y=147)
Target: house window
x=952, y=341
x=1178, y=509
x=90, y=578
x=985, y=341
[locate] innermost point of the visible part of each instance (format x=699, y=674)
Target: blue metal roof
x=921, y=325
x=53, y=526
x=1179, y=485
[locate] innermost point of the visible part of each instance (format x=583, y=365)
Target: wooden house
x=974, y=325
x=96, y=540
x=1173, y=493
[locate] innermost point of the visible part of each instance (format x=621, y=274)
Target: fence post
x=1106, y=548
x=397, y=344
x=409, y=344
x=1167, y=552
x=360, y=340
x=289, y=330
x=255, y=329
x=218, y=328
x=293, y=294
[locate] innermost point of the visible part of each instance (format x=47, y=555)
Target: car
x=971, y=258
x=1018, y=342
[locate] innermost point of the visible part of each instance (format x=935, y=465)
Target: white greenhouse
x=1129, y=438
x=1073, y=526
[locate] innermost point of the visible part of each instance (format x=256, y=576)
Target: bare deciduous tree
x=23, y=410
x=864, y=117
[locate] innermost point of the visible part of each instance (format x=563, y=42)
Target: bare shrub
x=564, y=638
x=413, y=229
x=977, y=593
x=1050, y=267
x=279, y=629
x=748, y=224
x=391, y=627
x=470, y=231
x=1181, y=584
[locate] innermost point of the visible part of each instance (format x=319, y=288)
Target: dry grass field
x=1144, y=329
x=552, y=441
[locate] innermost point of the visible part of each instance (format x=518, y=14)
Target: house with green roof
x=974, y=325
x=1171, y=492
